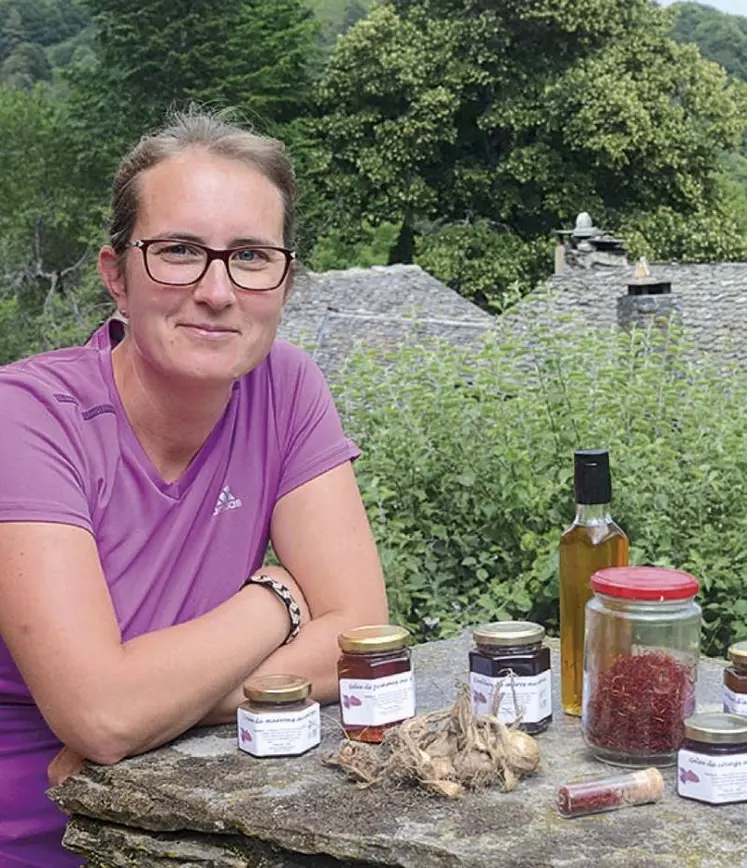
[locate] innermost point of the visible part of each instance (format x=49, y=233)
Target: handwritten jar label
x=377, y=701
x=529, y=696
x=715, y=779
x=736, y=703
x=285, y=733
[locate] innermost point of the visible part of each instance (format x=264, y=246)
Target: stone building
x=387, y=305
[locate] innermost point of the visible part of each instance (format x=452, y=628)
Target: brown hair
x=211, y=132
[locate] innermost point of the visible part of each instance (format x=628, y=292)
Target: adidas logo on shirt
x=226, y=501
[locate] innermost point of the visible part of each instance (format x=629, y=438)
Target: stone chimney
x=588, y=246
x=649, y=300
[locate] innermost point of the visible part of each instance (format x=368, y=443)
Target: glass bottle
x=375, y=678
x=278, y=717
x=509, y=656
x=735, y=680
x=592, y=542
x=640, y=664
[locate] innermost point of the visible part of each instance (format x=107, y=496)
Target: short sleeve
x=42, y=468
x=314, y=441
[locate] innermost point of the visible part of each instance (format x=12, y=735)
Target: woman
x=143, y=475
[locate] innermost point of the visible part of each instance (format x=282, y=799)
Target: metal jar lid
x=738, y=654
x=507, y=633
x=376, y=637
x=277, y=688
x=717, y=727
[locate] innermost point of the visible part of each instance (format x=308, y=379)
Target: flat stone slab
x=201, y=802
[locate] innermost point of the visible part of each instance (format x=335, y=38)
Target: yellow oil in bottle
x=592, y=543
x=584, y=549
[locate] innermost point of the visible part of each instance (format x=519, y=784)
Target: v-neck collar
x=130, y=440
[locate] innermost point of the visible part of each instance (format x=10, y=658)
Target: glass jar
x=509, y=657
x=278, y=718
x=735, y=680
x=712, y=762
x=377, y=688
x=640, y=664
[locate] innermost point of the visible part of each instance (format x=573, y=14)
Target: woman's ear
x=111, y=272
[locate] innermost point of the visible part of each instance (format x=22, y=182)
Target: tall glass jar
x=375, y=678
x=640, y=664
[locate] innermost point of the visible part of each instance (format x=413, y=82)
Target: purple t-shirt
x=170, y=551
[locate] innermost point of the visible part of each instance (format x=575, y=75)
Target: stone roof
x=712, y=298
x=386, y=305
x=382, y=306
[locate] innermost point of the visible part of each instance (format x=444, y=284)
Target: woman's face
x=209, y=331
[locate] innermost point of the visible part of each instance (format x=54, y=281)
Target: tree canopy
x=522, y=115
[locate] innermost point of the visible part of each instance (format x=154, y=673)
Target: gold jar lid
x=376, y=637
x=738, y=654
x=506, y=633
x=716, y=727
x=277, y=688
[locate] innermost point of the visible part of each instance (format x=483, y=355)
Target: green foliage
x=488, y=266
x=335, y=250
x=467, y=461
x=42, y=22
x=521, y=114
x=718, y=234
x=256, y=56
x=720, y=37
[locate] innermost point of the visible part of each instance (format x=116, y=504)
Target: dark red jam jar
x=509, y=657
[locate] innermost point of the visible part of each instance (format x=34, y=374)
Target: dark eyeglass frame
x=213, y=253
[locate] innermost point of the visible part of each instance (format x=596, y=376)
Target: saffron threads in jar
x=608, y=794
x=639, y=704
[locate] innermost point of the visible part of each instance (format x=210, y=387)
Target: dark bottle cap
x=591, y=476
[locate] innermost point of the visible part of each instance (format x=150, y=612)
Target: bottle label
x=715, y=779
x=278, y=733
x=529, y=696
x=736, y=703
x=377, y=701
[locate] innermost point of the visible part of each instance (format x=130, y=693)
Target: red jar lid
x=644, y=583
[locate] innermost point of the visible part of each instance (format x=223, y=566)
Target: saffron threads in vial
x=611, y=793
x=639, y=704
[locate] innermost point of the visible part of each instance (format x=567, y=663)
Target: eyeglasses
x=258, y=268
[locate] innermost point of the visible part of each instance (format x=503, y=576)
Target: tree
x=255, y=55
x=521, y=115
x=720, y=37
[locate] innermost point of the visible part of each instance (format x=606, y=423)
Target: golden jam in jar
x=377, y=687
x=278, y=718
x=735, y=680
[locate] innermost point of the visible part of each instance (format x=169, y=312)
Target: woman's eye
x=177, y=250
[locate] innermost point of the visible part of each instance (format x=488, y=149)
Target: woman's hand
x=65, y=764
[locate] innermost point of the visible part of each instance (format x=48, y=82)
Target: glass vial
x=712, y=762
x=640, y=664
x=609, y=794
x=278, y=718
x=592, y=542
x=377, y=688
x=735, y=680
x=509, y=657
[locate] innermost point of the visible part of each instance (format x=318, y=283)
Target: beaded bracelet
x=286, y=597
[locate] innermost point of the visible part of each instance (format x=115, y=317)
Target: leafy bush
x=484, y=264
x=467, y=468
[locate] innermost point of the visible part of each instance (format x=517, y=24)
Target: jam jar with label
x=509, y=656
x=712, y=762
x=278, y=717
x=375, y=677
x=735, y=680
